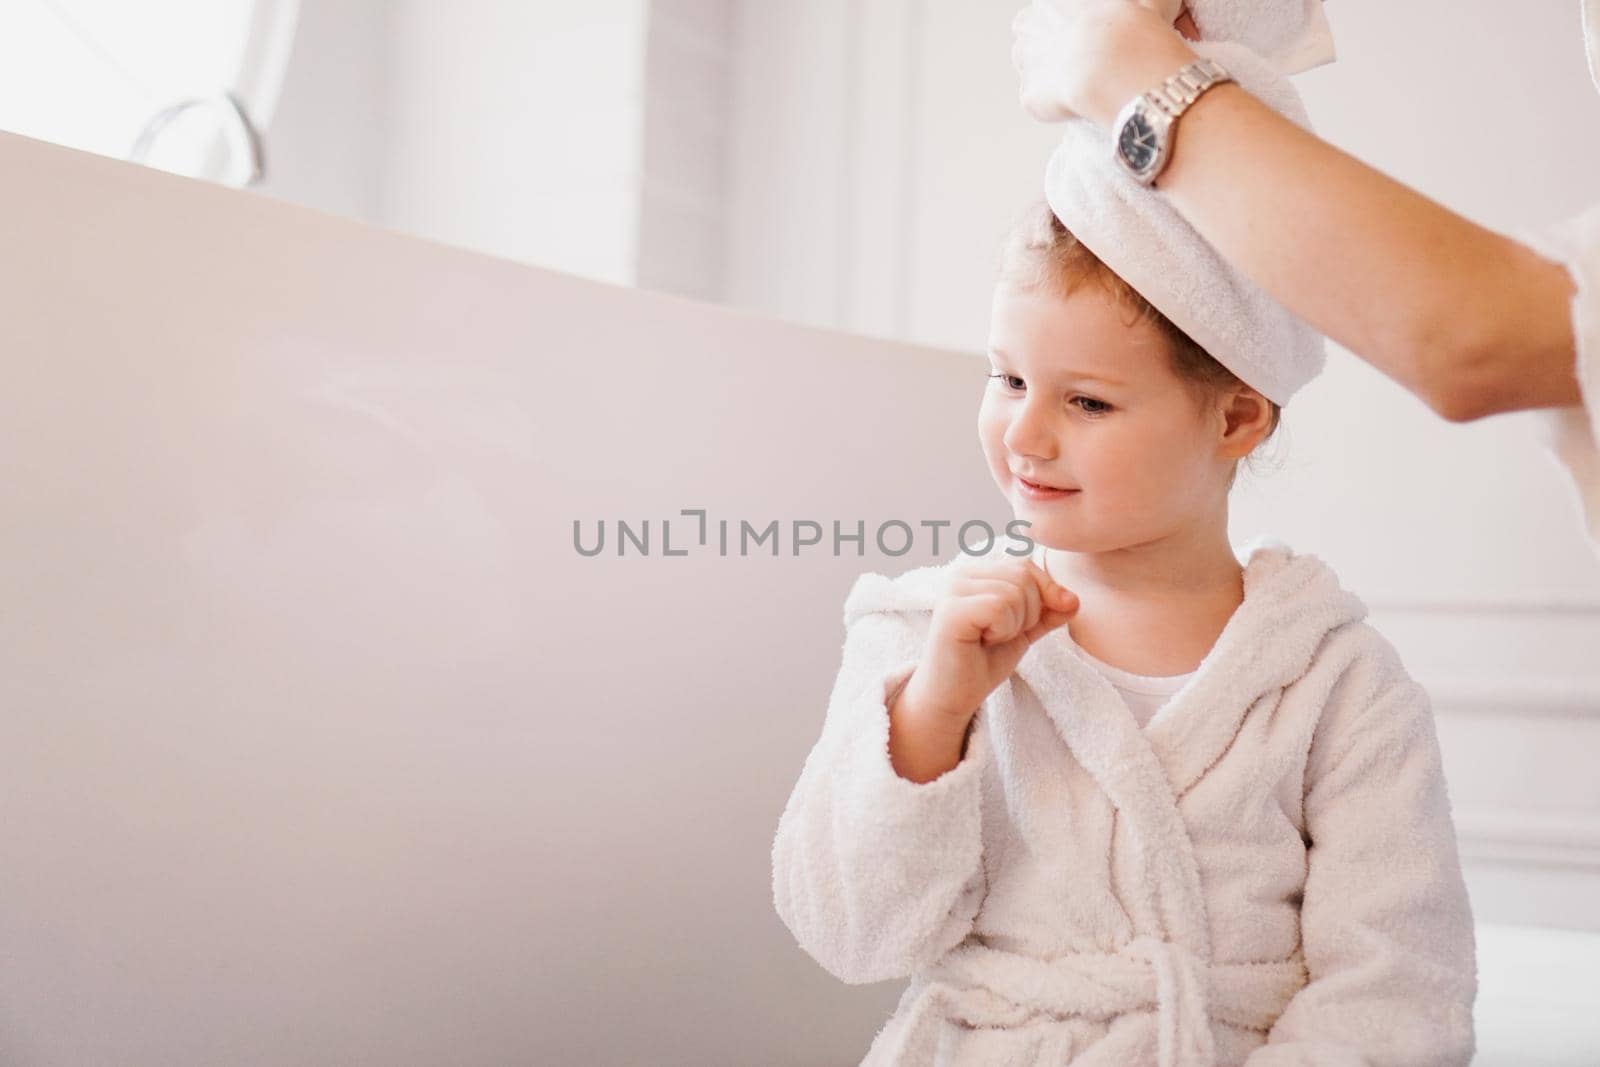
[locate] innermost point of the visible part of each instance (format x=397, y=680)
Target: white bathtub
x=1538, y=997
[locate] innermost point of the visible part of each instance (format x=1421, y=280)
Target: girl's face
x=1080, y=400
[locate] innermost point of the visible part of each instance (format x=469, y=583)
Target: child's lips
x=1046, y=491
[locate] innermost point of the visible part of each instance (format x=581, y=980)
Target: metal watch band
x=1182, y=89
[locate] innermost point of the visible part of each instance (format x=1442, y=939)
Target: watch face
x=1137, y=142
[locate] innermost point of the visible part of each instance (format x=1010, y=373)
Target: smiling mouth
x=1036, y=487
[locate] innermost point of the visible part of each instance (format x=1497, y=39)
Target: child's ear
x=1246, y=420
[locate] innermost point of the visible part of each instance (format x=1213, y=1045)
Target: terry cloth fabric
x=1292, y=35
x=1266, y=875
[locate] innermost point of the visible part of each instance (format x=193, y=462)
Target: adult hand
x=1090, y=57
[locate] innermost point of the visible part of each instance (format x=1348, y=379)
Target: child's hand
x=990, y=614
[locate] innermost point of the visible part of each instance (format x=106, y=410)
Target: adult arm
x=1471, y=321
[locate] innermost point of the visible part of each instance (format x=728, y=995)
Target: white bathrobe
x=1572, y=434
x=1265, y=874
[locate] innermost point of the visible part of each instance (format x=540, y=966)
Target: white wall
x=324, y=147
x=514, y=129
x=683, y=178
x=585, y=138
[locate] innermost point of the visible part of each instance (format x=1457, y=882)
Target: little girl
x=1188, y=812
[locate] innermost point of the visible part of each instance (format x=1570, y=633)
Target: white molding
x=706, y=36
x=909, y=185
x=848, y=173
x=1514, y=698
x=706, y=206
x=877, y=167
x=683, y=177
x=1581, y=605
x=1534, y=659
x=1521, y=837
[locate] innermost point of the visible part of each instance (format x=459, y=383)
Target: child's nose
x=1031, y=435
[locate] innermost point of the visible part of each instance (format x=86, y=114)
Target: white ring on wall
x=243, y=111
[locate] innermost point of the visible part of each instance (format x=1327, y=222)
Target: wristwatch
x=1143, y=130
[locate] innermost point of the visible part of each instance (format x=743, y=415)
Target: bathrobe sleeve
x=1571, y=435
x=1385, y=922
x=874, y=874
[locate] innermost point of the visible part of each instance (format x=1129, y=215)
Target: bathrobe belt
x=981, y=986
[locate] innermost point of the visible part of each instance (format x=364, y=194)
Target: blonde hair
x=1041, y=253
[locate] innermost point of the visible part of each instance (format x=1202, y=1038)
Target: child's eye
x=1007, y=379
x=1091, y=406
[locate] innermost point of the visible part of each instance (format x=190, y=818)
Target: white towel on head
x=1292, y=35
x=1136, y=232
